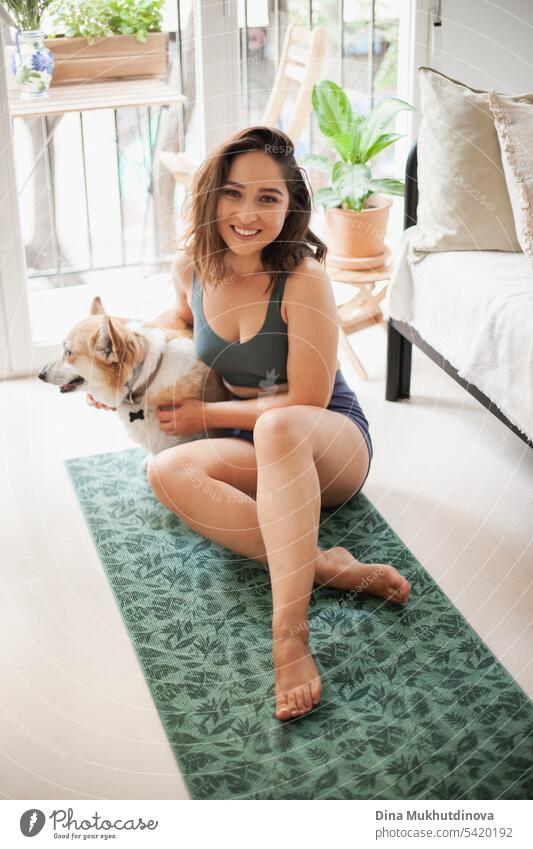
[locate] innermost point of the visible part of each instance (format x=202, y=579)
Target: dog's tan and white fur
x=133, y=366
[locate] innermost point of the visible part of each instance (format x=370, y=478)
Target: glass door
x=86, y=206
x=15, y=336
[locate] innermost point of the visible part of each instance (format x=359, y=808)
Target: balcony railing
x=86, y=181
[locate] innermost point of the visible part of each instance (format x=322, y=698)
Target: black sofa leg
x=399, y=351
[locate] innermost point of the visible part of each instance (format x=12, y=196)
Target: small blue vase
x=32, y=64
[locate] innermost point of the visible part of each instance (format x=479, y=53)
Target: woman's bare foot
x=337, y=568
x=297, y=678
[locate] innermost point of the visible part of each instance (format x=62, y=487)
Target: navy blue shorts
x=343, y=400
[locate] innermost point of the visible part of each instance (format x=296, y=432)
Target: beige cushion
x=463, y=199
x=514, y=124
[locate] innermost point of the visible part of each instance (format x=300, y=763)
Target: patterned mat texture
x=414, y=705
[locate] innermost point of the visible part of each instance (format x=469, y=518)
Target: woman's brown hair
x=202, y=239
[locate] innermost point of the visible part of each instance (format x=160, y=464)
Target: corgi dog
x=136, y=367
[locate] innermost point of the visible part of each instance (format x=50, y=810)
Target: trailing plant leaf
x=388, y=187
x=136, y=17
x=381, y=143
x=81, y=19
x=352, y=183
x=379, y=119
x=346, y=145
x=92, y=19
x=327, y=197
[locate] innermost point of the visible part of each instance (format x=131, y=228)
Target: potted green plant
x=108, y=39
x=356, y=205
x=32, y=62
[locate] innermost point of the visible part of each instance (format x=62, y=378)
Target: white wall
x=5, y=362
x=486, y=44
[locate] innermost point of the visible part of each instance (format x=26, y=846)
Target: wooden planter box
x=115, y=58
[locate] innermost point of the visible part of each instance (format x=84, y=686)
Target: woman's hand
x=182, y=419
x=92, y=403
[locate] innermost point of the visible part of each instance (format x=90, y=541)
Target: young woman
x=294, y=437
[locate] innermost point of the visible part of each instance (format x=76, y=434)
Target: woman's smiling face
x=255, y=200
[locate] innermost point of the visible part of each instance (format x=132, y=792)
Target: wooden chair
x=300, y=61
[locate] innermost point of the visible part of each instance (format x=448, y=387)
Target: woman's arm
x=172, y=319
x=178, y=317
x=311, y=365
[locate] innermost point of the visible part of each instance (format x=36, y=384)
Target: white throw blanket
x=476, y=309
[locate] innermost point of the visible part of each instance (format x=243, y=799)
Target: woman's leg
x=306, y=457
x=209, y=484
x=200, y=479
x=288, y=509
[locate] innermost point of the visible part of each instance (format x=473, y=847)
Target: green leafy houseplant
x=92, y=19
x=355, y=139
x=27, y=13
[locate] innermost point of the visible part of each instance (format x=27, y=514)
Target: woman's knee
x=279, y=424
x=170, y=472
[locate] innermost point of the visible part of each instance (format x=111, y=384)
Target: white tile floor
x=77, y=719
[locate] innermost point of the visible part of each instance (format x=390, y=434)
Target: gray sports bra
x=261, y=360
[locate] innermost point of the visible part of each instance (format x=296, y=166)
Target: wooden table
x=84, y=97
x=363, y=310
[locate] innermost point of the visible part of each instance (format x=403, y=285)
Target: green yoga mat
x=414, y=705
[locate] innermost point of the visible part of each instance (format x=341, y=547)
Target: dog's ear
x=97, y=307
x=108, y=340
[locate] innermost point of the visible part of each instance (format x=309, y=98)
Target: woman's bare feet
x=337, y=568
x=297, y=678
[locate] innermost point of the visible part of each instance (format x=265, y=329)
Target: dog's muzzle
x=72, y=384
x=67, y=381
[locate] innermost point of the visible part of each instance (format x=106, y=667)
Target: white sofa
x=472, y=313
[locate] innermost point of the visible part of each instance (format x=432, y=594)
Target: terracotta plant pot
x=358, y=234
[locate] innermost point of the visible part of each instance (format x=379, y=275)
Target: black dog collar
x=134, y=397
